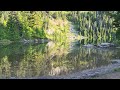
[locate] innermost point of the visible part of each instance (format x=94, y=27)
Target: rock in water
x=105, y=45
x=112, y=45
x=89, y=45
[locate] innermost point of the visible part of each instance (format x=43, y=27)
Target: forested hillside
x=54, y=25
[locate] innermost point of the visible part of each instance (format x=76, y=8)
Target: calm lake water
x=53, y=58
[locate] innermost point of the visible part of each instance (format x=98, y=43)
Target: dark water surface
x=26, y=61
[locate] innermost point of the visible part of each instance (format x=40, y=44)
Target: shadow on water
x=25, y=61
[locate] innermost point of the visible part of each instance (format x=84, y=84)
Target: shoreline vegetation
x=54, y=25
x=70, y=37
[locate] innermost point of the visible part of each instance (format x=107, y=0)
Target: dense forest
x=16, y=25
x=54, y=25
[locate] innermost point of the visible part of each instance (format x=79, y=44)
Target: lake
x=53, y=58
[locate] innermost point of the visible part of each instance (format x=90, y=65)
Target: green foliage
x=3, y=32
x=16, y=25
x=116, y=22
x=94, y=24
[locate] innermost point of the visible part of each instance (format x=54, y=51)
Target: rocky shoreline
x=25, y=41
x=102, y=45
x=87, y=74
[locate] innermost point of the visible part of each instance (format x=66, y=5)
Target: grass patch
x=5, y=42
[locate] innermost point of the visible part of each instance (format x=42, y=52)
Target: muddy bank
x=87, y=74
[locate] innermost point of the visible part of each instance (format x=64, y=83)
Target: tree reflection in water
x=26, y=61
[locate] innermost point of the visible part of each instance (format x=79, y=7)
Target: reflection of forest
x=21, y=61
